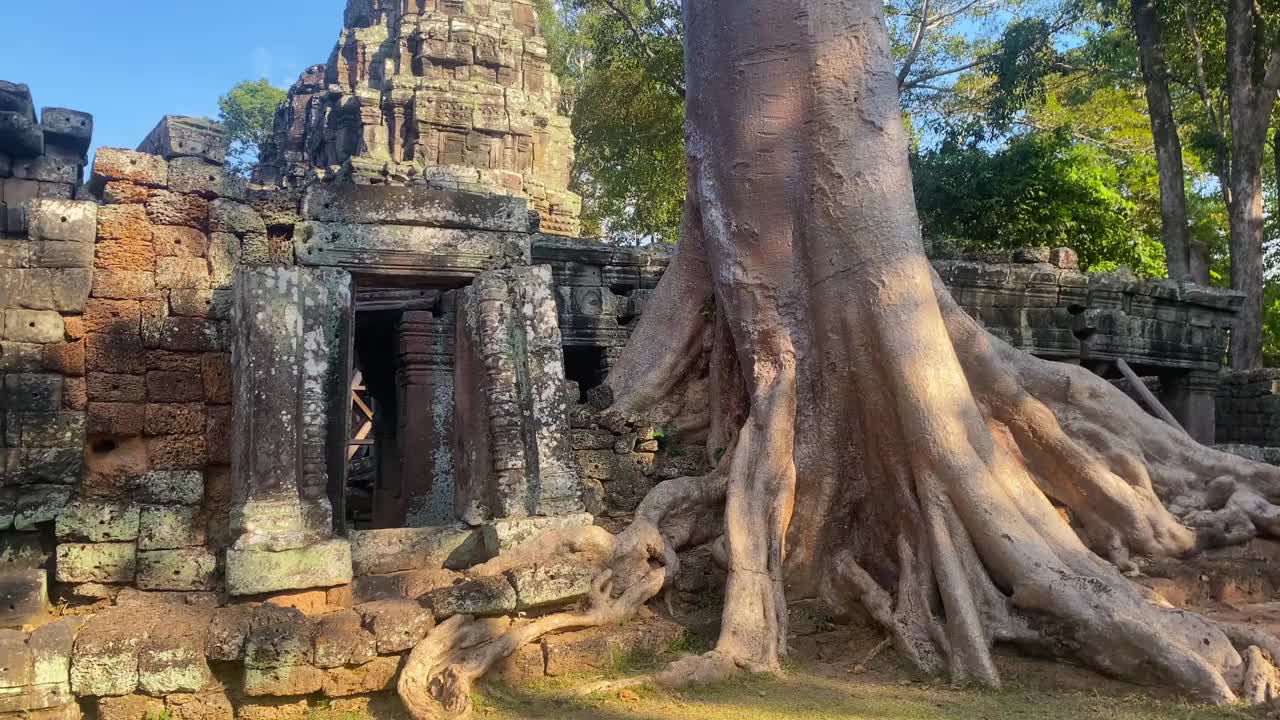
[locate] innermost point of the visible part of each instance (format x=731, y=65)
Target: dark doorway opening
x=585, y=365
x=373, y=454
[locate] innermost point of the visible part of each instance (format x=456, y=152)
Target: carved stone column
x=424, y=381
x=512, y=402
x=290, y=407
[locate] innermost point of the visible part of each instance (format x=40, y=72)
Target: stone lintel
x=419, y=205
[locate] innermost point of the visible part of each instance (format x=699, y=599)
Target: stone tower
x=456, y=94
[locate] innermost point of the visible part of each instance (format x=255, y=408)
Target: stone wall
x=46, y=255
x=1248, y=408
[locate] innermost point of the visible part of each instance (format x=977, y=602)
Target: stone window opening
x=586, y=365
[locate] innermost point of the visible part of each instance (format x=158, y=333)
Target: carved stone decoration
x=513, y=407
x=455, y=94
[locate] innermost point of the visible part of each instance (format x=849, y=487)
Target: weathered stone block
x=20, y=136
x=38, y=702
x=250, y=572
x=119, y=317
x=200, y=177
x=279, y=637
x=135, y=167
x=39, y=504
x=551, y=584
x=33, y=392
x=21, y=357
x=181, y=273
x=130, y=707
x=179, y=136
x=397, y=625
x=341, y=640
x=113, y=387
x=72, y=129
x=502, y=535
x=105, y=659
x=170, y=487
x=15, y=659
x=124, y=285
x=74, y=221
x=212, y=705
x=124, y=239
x=32, y=326
x=51, y=647
x=99, y=562
x=115, y=354
x=228, y=631
x=393, y=550
x=283, y=681
x=377, y=675
x=166, y=386
x=98, y=522
x=482, y=597
x=176, y=418
x=181, y=569
x=24, y=596
x=177, y=452
x=22, y=550
x=173, y=208
x=179, y=241
x=228, y=216
x=50, y=430
x=66, y=358
x=116, y=418
x=61, y=254
x=414, y=205
x=171, y=659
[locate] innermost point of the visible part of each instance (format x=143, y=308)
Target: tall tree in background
x=247, y=113
x=1183, y=262
x=1253, y=79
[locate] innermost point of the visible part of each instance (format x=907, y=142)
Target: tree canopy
x=247, y=113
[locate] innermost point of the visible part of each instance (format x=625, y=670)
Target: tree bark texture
x=1175, y=232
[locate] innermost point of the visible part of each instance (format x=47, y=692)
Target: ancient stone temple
x=452, y=94
x=257, y=438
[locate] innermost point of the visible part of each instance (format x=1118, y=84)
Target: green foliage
x=158, y=715
x=1038, y=190
x=247, y=112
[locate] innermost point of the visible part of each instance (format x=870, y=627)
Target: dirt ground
x=823, y=680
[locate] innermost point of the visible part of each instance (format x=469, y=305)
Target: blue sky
x=132, y=62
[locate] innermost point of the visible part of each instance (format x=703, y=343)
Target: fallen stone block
x=551, y=584
x=481, y=597
x=397, y=625
x=502, y=535
x=251, y=572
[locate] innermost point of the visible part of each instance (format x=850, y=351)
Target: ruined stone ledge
x=376, y=552
x=440, y=251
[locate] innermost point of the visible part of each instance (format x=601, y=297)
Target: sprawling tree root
x=435, y=683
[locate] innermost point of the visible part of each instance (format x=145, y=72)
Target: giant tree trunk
x=891, y=452
x=872, y=444
x=1164, y=131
